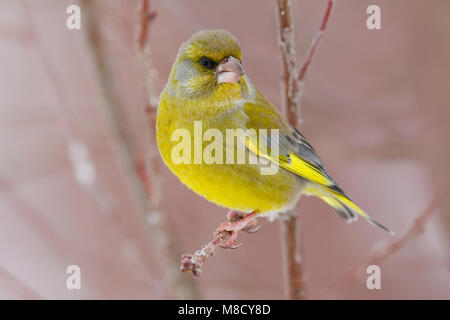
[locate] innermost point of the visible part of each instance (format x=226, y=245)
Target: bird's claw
x=230, y=246
x=252, y=226
x=228, y=233
x=229, y=230
x=233, y=216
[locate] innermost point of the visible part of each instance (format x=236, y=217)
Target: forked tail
x=342, y=204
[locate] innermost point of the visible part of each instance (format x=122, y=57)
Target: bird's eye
x=207, y=63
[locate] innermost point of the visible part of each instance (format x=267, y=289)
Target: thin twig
x=145, y=17
x=290, y=83
x=290, y=231
x=163, y=239
x=296, y=281
x=225, y=236
x=83, y=169
x=292, y=88
x=194, y=262
x=315, y=42
x=150, y=166
x=386, y=248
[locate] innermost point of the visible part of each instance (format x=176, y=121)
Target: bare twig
x=163, y=239
x=194, y=262
x=385, y=248
x=145, y=17
x=312, y=48
x=292, y=88
x=295, y=275
x=292, y=76
x=150, y=165
x=289, y=75
x=83, y=168
x=225, y=236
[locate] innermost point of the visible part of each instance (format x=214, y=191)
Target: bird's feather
x=298, y=156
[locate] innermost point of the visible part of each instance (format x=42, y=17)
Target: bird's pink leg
x=236, y=222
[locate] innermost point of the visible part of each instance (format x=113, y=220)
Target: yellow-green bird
x=207, y=83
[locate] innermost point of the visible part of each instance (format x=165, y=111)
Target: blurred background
x=375, y=106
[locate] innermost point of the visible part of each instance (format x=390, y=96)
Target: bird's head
x=209, y=61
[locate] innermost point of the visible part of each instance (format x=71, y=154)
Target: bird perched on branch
x=208, y=86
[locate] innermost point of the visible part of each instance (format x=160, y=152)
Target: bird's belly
x=241, y=187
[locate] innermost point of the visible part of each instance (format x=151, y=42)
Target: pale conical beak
x=229, y=71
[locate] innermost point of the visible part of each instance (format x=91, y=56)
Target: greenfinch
x=208, y=85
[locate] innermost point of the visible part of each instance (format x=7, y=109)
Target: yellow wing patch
x=305, y=170
x=294, y=164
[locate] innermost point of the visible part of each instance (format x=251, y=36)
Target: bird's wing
x=295, y=153
x=298, y=156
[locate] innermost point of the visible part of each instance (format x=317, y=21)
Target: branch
x=225, y=236
x=290, y=84
x=194, y=262
x=145, y=17
x=295, y=275
x=163, y=239
x=386, y=248
x=151, y=166
x=292, y=89
x=293, y=79
x=315, y=42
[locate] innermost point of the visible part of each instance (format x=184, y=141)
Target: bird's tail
x=342, y=204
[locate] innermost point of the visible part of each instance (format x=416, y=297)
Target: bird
x=207, y=85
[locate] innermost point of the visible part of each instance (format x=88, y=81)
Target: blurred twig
x=145, y=17
x=151, y=166
x=21, y=290
x=292, y=88
x=83, y=169
x=163, y=239
x=385, y=248
x=67, y=123
x=12, y=32
x=116, y=14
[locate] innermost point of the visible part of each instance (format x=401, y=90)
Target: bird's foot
x=251, y=225
x=236, y=222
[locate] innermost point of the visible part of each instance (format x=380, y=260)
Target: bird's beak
x=229, y=71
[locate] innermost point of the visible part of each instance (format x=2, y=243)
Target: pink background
x=376, y=107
